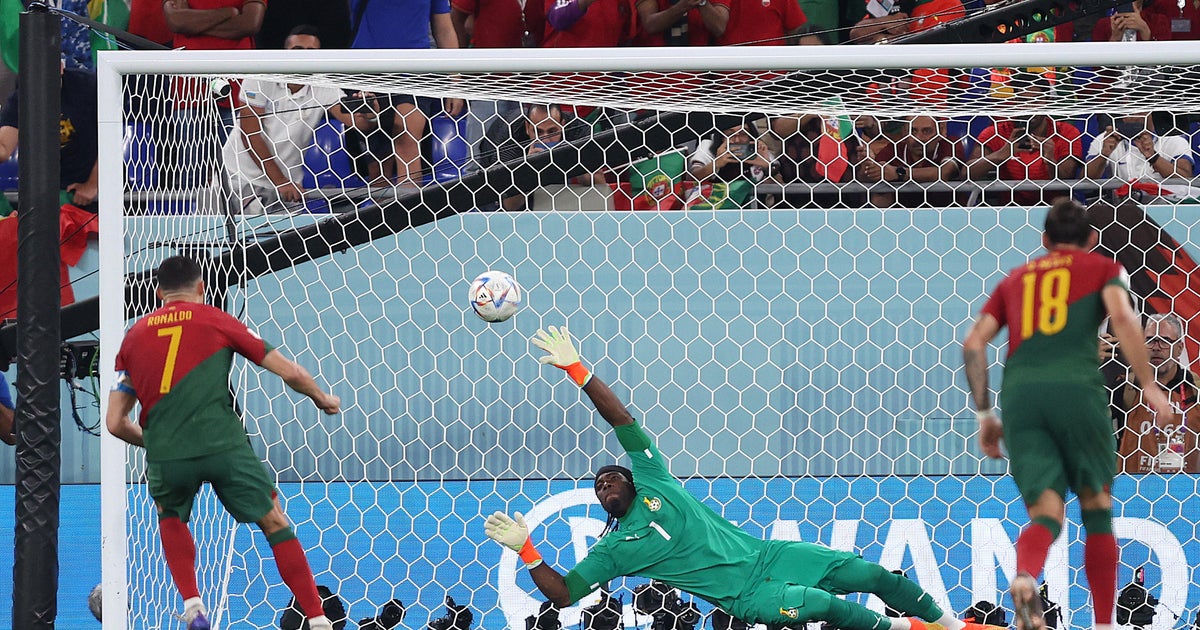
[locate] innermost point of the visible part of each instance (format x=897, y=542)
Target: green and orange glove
x=514, y=534
x=561, y=353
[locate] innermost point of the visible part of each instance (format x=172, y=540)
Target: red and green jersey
x=177, y=360
x=1053, y=310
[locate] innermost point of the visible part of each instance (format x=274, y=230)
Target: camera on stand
x=457, y=617
x=546, y=619
x=663, y=605
x=603, y=615
x=389, y=617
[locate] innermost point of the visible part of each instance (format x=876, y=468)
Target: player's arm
x=120, y=402
x=301, y=381
x=561, y=353
x=514, y=533
x=975, y=364
x=1128, y=328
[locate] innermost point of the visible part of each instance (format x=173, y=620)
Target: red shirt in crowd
x=500, y=23
x=146, y=20
x=766, y=22
x=605, y=24
x=1160, y=27
x=189, y=92
x=208, y=42
x=1184, y=22
x=1030, y=164
x=698, y=35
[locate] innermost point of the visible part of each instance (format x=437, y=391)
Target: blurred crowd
x=281, y=146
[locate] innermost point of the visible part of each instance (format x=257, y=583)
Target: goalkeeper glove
x=514, y=534
x=561, y=353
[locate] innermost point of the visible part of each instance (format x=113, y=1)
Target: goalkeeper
x=668, y=535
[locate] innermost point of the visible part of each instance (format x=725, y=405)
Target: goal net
x=770, y=254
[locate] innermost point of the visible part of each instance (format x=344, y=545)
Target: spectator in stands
x=402, y=24
x=496, y=24
x=545, y=126
x=1140, y=444
x=1028, y=148
x=735, y=153
x=147, y=19
x=901, y=18
x=682, y=22
x=802, y=137
x=213, y=25
x=282, y=16
x=765, y=23
x=870, y=139
x=924, y=155
x=193, y=139
x=276, y=121
x=1132, y=151
x=1184, y=18
x=77, y=136
x=589, y=23
x=905, y=17
x=7, y=433
x=1144, y=25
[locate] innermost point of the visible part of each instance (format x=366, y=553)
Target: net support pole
x=114, y=550
x=38, y=429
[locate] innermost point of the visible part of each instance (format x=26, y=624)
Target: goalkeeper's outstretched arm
x=513, y=532
x=561, y=353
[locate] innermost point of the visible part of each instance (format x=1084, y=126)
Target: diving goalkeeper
x=664, y=533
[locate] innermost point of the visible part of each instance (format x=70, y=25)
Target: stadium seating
x=326, y=163
x=141, y=161
x=450, y=151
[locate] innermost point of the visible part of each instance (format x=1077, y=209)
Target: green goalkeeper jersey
x=670, y=536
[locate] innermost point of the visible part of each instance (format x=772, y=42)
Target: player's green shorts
x=237, y=476
x=787, y=573
x=1058, y=436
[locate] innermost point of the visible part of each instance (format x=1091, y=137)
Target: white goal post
x=797, y=363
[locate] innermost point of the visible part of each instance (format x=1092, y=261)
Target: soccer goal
x=778, y=302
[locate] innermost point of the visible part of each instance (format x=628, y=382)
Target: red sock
x=180, y=550
x=1032, y=547
x=1100, y=565
x=293, y=568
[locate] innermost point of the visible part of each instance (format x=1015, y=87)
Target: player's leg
x=1039, y=470
x=293, y=564
x=1091, y=465
x=173, y=486
x=247, y=492
x=897, y=591
x=793, y=606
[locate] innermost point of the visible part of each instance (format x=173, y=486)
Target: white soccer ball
x=495, y=296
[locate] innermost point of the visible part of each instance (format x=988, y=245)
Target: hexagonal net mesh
x=782, y=316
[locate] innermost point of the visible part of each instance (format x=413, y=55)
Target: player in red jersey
x=175, y=362
x=1056, y=422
